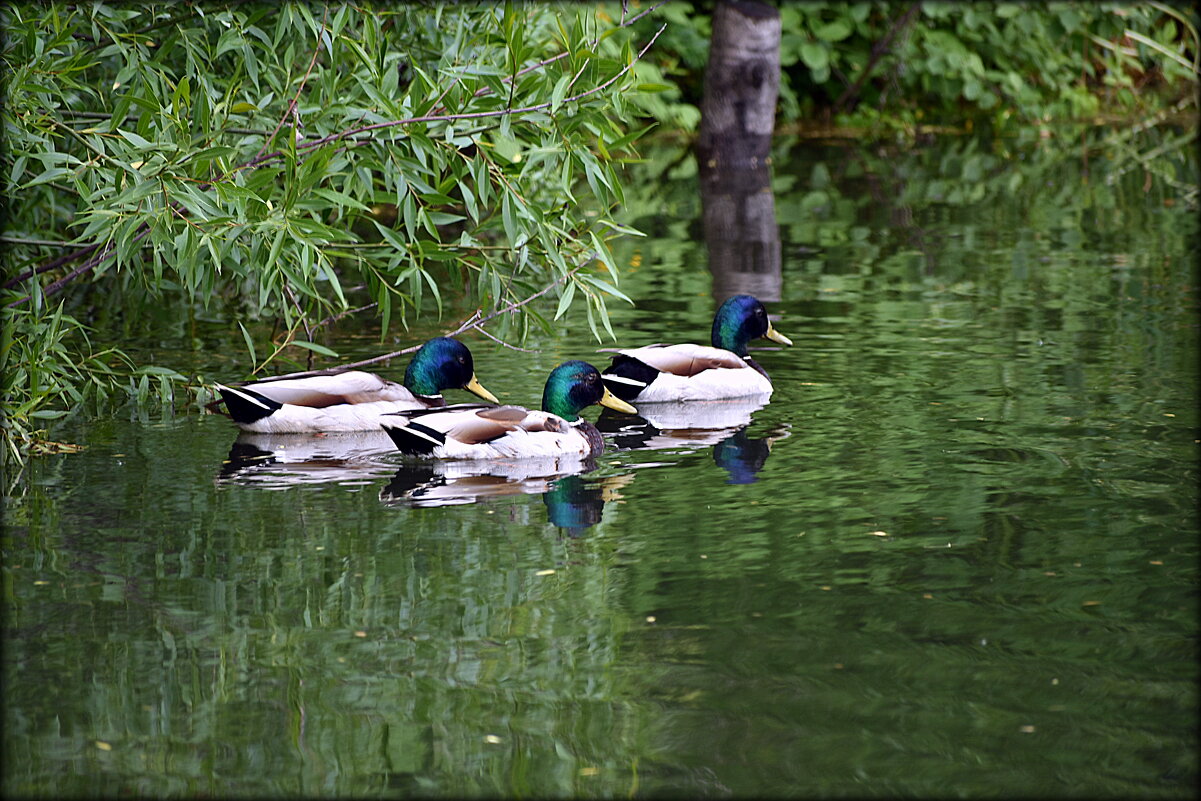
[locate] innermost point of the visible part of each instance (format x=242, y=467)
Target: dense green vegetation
x=299, y=163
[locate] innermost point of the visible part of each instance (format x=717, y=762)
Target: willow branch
x=475, y=321
x=291, y=109
x=264, y=158
x=483, y=90
x=474, y=115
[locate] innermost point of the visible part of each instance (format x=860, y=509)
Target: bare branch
x=18, y=240
x=502, y=342
x=333, y=318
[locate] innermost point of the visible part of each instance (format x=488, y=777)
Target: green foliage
x=898, y=63
x=289, y=162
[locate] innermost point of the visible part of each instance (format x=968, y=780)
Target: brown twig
x=291, y=109
x=333, y=318
x=50, y=265
x=501, y=342
x=87, y=266
x=878, y=51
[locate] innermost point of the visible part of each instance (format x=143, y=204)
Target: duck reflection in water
x=573, y=502
x=276, y=461
x=743, y=457
x=722, y=425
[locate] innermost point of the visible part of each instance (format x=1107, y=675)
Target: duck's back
x=332, y=403
x=684, y=373
x=352, y=386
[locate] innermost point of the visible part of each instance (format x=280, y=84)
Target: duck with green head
x=352, y=400
x=512, y=432
x=670, y=373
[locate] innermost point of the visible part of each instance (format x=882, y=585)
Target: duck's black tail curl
x=627, y=377
x=246, y=405
x=415, y=439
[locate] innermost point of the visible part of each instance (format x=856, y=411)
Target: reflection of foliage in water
x=832, y=197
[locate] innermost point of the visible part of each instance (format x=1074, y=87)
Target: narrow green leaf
x=313, y=346
x=249, y=343
x=565, y=299
x=276, y=245
x=135, y=140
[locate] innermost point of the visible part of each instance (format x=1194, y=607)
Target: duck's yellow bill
x=776, y=336
x=475, y=386
x=615, y=403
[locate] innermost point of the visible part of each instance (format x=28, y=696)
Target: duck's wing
x=684, y=360
x=320, y=391
x=421, y=433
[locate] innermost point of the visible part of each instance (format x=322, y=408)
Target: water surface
x=955, y=555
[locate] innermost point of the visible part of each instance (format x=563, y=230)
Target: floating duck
x=469, y=431
x=667, y=373
x=352, y=400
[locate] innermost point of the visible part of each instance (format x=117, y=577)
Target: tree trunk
x=742, y=82
x=738, y=115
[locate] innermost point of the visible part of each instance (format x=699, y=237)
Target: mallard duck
x=659, y=373
x=352, y=400
x=470, y=431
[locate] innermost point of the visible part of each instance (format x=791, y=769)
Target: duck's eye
x=462, y=360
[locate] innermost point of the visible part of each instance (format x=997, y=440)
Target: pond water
x=956, y=555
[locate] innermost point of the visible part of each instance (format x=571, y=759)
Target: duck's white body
x=694, y=373
x=500, y=432
x=345, y=402
x=351, y=400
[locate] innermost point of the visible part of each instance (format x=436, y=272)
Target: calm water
x=955, y=556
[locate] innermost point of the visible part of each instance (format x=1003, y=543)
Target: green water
x=955, y=556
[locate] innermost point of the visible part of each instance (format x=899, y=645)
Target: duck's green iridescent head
x=741, y=319
x=574, y=385
x=444, y=363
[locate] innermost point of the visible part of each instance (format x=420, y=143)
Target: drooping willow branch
x=472, y=115
x=476, y=321
x=259, y=160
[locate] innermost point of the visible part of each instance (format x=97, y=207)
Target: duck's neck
x=729, y=337
x=560, y=404
x=422, y=380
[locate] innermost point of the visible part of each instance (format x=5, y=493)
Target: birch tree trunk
x=742, y=82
